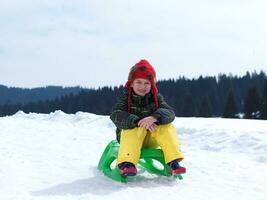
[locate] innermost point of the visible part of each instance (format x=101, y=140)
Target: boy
x=143, y=119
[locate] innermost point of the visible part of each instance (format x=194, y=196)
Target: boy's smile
x=141, y=86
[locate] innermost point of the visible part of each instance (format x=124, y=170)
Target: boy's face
x=141, y=86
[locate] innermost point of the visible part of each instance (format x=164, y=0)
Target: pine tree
x=264, y=101
x=205, y=107
x=189, y=107
x=252, y=104
x=230, y=108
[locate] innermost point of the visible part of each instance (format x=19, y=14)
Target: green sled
x=147, y=158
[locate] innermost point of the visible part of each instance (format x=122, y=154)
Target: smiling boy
x=143, y=119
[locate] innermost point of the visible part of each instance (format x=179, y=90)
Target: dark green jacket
x=141, y=107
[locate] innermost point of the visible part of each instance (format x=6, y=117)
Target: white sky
x=93, y=43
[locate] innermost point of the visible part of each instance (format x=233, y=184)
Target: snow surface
x=55, y=156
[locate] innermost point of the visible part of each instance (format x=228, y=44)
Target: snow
x=54, y=156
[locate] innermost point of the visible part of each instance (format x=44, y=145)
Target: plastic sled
x=147, y=160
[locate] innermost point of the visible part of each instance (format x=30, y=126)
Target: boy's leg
x=150, y=141
x=130, y=145
x=166, y=137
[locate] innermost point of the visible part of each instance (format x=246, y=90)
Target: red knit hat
x=142, y=69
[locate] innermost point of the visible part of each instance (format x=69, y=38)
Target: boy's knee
x=136, y=129
x=164, y=129
x=166, y=126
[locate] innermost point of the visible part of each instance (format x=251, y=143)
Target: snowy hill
x=54, y=156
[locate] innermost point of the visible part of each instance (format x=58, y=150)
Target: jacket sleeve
x=165, y=113
x=120, y=116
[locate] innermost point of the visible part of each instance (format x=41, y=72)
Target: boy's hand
x=148, y=123
x=152, y=128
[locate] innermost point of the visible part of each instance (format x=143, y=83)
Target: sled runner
x=147, y=161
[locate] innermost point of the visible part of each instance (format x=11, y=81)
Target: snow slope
x=54, y=156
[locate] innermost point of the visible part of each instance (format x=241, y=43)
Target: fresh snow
x=54, y=156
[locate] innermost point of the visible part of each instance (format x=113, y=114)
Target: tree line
x=16, y=95
x=222, y=96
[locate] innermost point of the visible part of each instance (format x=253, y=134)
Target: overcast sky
x=93, y=43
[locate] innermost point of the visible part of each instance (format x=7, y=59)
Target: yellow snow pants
x=133, y=140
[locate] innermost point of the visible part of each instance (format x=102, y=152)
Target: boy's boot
x=127, y=169
x=175, y=168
